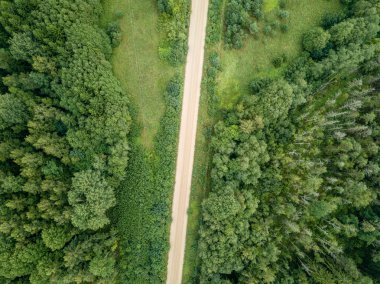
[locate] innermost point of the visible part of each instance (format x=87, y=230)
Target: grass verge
x=198, y=190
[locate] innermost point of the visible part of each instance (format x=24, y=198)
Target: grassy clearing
x=270, y=5
x=254, y=60
x=136, y=62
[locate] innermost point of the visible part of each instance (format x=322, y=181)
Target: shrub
x=332, y=18
x=282, y=4
x=279, y=60
x=114, y=33
x=283, y=14
x=253, y=28
x=174, y=24
x=238, y=20
x=214, y=29
x=164, y=6
x=315, y=39
x=284, y=28
x=257, y=84
x=268, y=31
x=275, y=25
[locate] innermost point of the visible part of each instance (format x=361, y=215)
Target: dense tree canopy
x=295, y=168
x=63, y=143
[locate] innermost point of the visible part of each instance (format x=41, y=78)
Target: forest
x=294, y=195
x=72, y=167
x=64, y=124
x=291, y=192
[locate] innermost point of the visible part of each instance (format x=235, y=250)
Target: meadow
x=254, y=60
x=136, y=61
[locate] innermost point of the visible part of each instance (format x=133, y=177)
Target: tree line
x=64, y=123
x=295, y=169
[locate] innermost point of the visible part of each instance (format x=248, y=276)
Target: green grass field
x=254, y=60
x=136, y=63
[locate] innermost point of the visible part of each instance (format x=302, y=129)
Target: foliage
x=248, y=16
x=140, y=40
x=55, y=237
x=214, y=26
x=238, y=20
x=114, y=33
x=174, y=23
x=213, y=68
x=255, y=59
x=332, y=18
x=279, y=60
x=90, y=197
x=64, y=123
x=149, y=203
x=143, y=205
x=289, y=163
x=315, y=40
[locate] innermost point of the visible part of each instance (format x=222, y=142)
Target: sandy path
x=185, y=159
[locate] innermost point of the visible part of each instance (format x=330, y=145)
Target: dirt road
x=190, y=105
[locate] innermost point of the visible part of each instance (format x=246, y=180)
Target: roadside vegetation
x=294, y=176
x=154, y=36
x=286, y=179
x=201, y=171
x=144, y=211
x=291, y=192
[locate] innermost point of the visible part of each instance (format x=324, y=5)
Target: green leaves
x=174, y=23
x=275, y=101
x=64, y=123
x=294, y=186
x=90, y=197
x=238, y=20
x=320, y=209
x=220, y=207
x=55, y=237
x=12, y=111
x=102, y=266
x=315, y=40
